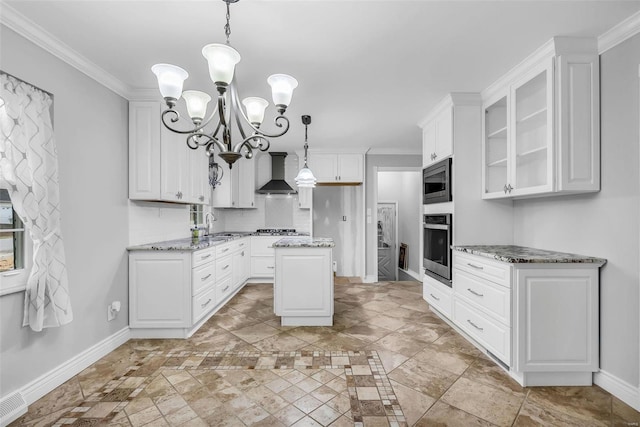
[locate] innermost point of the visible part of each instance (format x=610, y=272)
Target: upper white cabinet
x=161, y=166
x=237, y=188
x=437, y=133
x=331, y=168
x=541, y=124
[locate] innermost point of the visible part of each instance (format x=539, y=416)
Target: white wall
x=604, y=224
x=371, y=199
x=90, y=127
x=404, y=187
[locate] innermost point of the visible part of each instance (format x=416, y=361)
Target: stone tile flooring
x=388, y=360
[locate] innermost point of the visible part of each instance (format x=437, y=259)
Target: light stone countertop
x=521, y=254
x=304, y=242
x=193, y=244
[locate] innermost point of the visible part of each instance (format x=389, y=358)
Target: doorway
x=387, y=241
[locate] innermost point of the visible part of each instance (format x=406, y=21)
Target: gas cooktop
x=276, y=231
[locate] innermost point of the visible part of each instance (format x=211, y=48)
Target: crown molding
x=144, y=95
x=395, y=151
x=39, y=36
x=621, y=32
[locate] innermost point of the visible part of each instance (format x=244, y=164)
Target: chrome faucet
x=208, y=219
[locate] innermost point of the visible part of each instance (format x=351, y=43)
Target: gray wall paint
x=373, y=161
x=90, y=126
x=405, y=188
x=604, y=224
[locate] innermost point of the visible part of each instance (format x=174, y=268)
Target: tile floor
x=388, y=360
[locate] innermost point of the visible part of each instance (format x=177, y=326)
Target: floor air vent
x=11, y=407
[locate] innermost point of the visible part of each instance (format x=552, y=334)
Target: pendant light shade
x=196, y=104
x=222, y=61
x=305, y=177
x=170, y=80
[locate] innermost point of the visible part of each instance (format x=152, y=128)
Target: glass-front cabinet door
x=496, y=149
x=532, y=132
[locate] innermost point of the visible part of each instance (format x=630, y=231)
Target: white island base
x=303, y=286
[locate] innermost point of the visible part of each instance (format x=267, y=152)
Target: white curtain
x=29, y=171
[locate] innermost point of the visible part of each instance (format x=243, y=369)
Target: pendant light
x=305, y=177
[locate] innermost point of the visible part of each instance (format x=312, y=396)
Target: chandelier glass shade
x=222, y=60
x=305, y=177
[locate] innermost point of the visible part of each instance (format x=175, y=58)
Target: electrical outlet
x=112, y=310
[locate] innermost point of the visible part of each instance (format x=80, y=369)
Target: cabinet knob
x=435, y=156
x=251, y=203
x=201, y=198
x=509, y=187
x=505, y=189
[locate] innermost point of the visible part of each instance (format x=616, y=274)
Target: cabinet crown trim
x=451, y=99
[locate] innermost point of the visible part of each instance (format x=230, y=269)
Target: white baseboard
x=57, y=376
x=370, y=279
x=621, y=389
x=413, y=274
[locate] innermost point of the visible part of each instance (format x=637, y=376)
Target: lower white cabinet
x=263, y=262
x=171, y=293
x=540, y=320
x=303, y=286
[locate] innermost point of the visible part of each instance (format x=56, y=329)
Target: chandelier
x=305, y=177
x=222, y=59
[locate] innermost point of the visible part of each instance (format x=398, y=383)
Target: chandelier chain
x=227, y=27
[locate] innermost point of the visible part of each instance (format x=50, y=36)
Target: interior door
x=387, y=248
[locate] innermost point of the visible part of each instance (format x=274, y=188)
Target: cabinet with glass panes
x=541, y=134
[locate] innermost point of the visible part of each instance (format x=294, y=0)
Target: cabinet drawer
x=203, y=276
x=497, y=272
x=263, y=266
x=224, y=249
x=262, y=245
x=494, y=336
x=202, y=257
x=203, y=303
x=223, y=289
x=241, y=244
x=223, y=267
x=437, y=295
x=494, y=299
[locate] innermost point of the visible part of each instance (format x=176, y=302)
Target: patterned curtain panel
x=29, y=171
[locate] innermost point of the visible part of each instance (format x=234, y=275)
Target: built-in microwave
x=436, y=182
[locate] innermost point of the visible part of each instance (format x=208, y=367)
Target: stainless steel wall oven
x=437, y=239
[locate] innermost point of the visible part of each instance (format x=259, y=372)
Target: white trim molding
x=624, y=391
x=14, y=20
x=44, y=384
x=621, y=32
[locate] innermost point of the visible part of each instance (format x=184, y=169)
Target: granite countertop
x=520, y=254
x=304, y=242
x=196, y=244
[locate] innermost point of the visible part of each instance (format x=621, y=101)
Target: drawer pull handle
x=225, y=288
x=242, y=253
x=475, y=293
x=435, y=297
x=225, y=267
x=206, y=303
x=271, y=267
x=477, y=267
x=205, y=256
x=475, y=326
x=224, y=250
x=241, y=244
x=206, y=277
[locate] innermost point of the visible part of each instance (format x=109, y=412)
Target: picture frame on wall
x=402, y=258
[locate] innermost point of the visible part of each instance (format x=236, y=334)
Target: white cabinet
x=437, y=133
x=437, y=294
x=541, y=124
x=539, y=319
x=307, y=302
x=263, y=262
x=237, y=188
x=161, y=166
x=172, y=293
x=334, y=168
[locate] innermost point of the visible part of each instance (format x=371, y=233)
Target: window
x=15, y=248
x=196, y=215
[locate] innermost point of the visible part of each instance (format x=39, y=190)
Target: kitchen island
x=303, y=286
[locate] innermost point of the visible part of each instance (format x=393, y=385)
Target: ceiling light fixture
x=305, y=177
x=222, y=59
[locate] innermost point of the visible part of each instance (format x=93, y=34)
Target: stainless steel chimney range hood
x=277, y=185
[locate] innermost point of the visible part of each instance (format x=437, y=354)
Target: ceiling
x=368, y=70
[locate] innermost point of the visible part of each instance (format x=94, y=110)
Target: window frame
x=12, y=281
